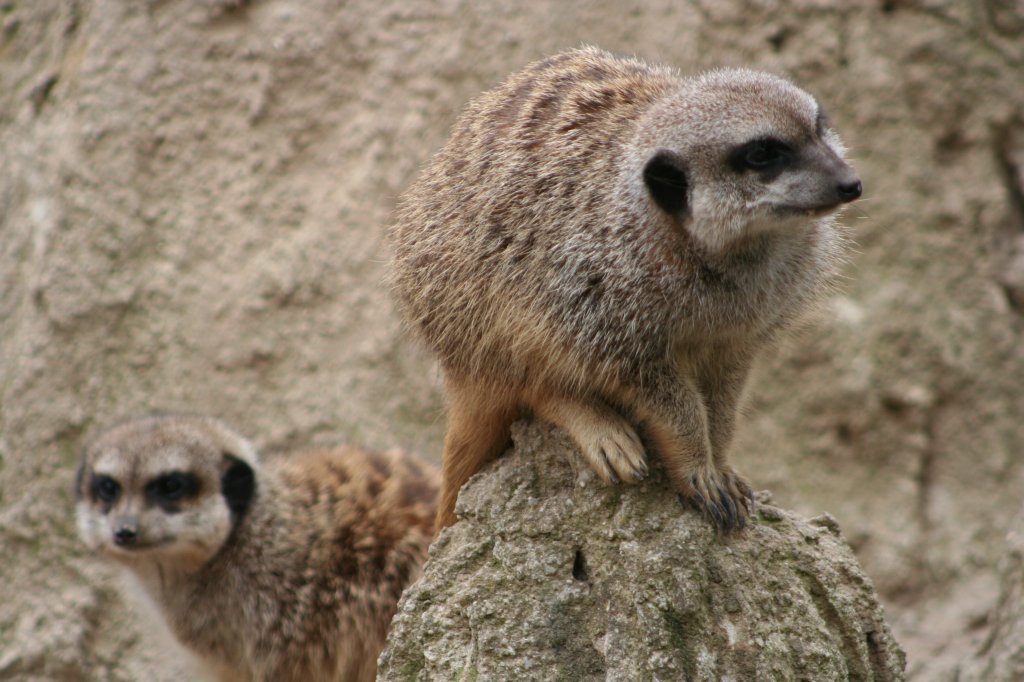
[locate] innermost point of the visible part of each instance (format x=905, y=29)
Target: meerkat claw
x=612, y=476
x=613, y=452
x=725, y=508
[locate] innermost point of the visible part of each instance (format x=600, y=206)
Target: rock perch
x=553, y=575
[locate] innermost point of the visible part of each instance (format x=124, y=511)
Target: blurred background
x=194, y=196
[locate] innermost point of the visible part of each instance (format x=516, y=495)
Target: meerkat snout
x=849, y=190
x=125, y=532
x=837, y=176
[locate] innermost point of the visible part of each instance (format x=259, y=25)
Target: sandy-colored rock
x=552, y=575
x=193, y=198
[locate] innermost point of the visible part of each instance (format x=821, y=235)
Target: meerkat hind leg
x=478, y=431
x=608, y=442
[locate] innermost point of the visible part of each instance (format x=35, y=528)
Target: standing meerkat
x=284, y=572
x=607, y=245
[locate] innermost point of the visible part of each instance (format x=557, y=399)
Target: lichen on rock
x=552, y=575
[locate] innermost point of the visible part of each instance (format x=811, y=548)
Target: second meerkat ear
x=665, y=177
x=237, y=484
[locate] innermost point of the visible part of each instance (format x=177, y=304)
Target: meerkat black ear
x=665, y=177
x=237, y=484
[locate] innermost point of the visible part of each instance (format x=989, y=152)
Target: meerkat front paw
x=721, y=495
x=613, y=451
x=608, y=442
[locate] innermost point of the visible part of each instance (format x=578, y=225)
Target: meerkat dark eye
x=104, y=488
x=173, y=487
x=766, y=154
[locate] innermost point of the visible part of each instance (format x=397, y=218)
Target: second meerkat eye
x=104, y=488
x=172, y=487
x=762, y=154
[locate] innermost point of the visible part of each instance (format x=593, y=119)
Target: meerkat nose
x=849, y=191
x=125, y=536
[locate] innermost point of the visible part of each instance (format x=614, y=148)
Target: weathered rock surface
x=552, y=575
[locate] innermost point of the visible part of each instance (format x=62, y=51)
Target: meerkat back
x=287, y=570
x=607, y=245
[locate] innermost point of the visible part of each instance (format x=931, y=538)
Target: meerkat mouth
x=808, y=211
x=138, y=547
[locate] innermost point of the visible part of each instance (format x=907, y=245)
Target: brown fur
x=596, y=244
x=301, y=584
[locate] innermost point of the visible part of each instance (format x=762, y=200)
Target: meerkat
x=607, y=245
x=288, y=571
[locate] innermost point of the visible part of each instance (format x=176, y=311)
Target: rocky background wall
x=193, y=200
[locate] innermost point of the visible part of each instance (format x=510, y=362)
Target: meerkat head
x=166, y=489
x=736, y=152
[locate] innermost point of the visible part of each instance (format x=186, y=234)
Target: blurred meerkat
x=608, y=245
x=287, y=571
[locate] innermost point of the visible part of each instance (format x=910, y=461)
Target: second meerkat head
x=737, y=152
x=167, y=489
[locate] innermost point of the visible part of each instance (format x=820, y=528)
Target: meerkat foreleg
x=608, y=442
x=479, y=421
x=677, y=422
x=721, y=386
